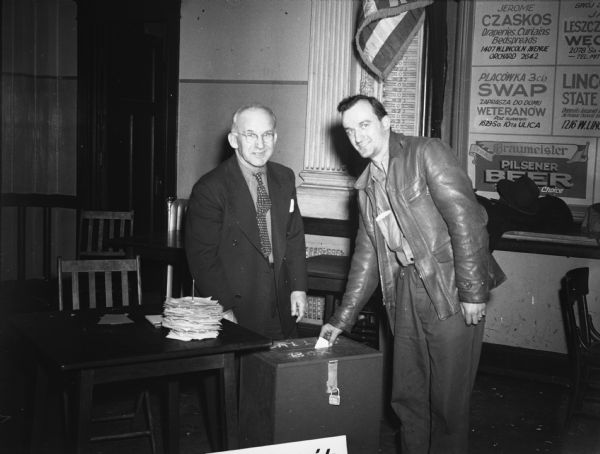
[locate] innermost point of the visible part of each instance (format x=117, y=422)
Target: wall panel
x=39, y=88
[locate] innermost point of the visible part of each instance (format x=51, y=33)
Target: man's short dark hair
x=350, y=101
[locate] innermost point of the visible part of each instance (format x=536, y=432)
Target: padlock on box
x=295, y=392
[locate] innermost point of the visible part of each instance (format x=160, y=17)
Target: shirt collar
x=249, y=171
x=383, y=162
x=377, y=173
x=379, y=167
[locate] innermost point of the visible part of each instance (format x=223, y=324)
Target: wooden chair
x=106, y=283
x=115, y=274
x=96, y=227
x=176, y=209
x=583, y=341
x=32, y=234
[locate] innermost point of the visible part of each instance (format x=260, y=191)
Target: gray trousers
x=434, y=367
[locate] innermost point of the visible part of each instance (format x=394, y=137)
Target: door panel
x=135, y=126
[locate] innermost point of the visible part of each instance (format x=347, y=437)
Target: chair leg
x=142, y=404
x=171, y=428
x=575, y=397
x=66, y=412
x=39, y=407
x=149, y=420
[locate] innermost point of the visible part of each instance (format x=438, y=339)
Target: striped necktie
x=263, y=205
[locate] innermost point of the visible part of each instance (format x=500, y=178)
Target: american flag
x=385, y=30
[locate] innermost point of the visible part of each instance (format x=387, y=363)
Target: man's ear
x=232, y=138
x=386, y=122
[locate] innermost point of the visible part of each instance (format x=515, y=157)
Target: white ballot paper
x=322, y=343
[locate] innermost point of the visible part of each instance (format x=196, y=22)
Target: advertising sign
x=535, y=96
x=516, y=98
x=559, y=168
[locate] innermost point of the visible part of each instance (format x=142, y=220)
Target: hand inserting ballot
x=330, y=333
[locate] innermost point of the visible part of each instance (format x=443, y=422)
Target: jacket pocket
x=414, y=190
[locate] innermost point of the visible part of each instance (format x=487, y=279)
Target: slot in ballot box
x=295, y=392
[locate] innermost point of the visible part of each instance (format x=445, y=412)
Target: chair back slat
x=124, y=288
x=121, y=228
x=92, y=287
x=75, y=291
x=89, y=239
x=139, y=281
x=101, y=234
x=108, y=288
x=124, y=272
x=97, y=227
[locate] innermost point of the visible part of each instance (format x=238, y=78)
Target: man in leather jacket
x=422, y=236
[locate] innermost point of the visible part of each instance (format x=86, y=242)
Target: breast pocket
x=386, y=222
x=416, y=191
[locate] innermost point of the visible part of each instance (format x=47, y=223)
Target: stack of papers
x=192, y=318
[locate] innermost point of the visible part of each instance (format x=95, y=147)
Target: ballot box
x=295, y=392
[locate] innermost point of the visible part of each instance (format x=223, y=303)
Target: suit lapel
x=241, y=203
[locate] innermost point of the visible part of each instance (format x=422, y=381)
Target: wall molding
x=243, y=82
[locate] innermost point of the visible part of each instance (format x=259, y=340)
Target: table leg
x=171, y=433
x=231, y=401
x=84, y=411
x=39, y=407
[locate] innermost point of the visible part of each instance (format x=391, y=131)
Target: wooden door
x=127, y=106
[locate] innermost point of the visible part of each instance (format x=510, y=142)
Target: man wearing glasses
x=244, y=237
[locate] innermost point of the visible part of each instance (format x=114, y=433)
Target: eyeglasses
x=252, y=137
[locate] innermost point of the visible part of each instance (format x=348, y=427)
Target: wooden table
x=575, y=245
x=74, y=344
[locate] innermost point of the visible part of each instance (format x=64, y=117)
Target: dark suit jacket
x=222, y=240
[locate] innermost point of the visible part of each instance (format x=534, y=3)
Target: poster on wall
x=535, y=96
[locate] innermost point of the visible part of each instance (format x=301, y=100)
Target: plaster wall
x=525, y=310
